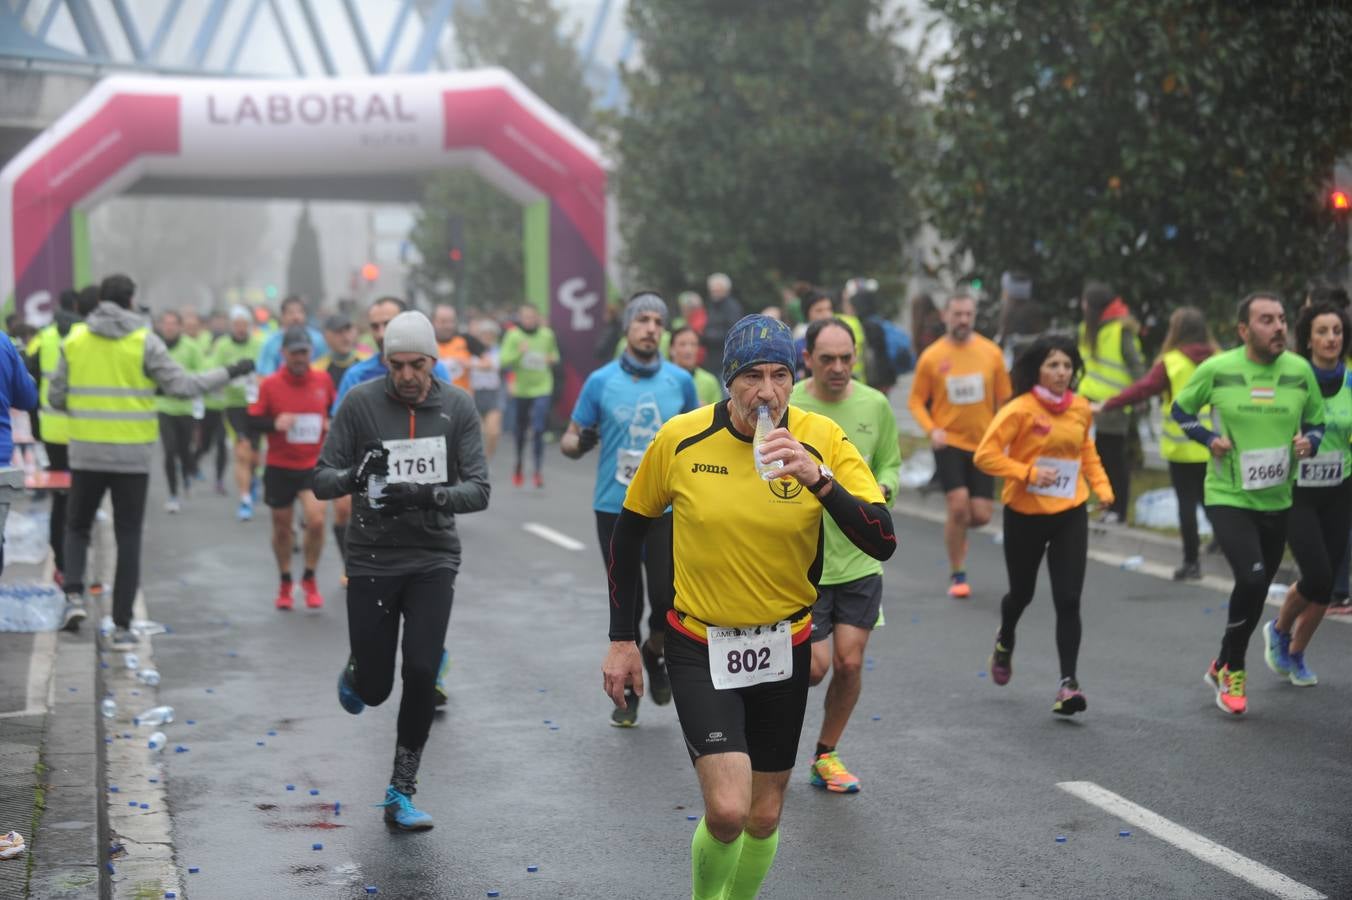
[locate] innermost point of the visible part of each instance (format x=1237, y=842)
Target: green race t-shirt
x=707, y=388
x=187, y=354
x=867, y=420
x=531, y=357
x=1260, y=409
x=226, y=351
x=1337, y=430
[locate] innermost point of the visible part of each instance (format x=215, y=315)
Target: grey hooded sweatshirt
x=112, y=321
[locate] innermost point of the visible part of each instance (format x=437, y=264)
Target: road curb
x=69, y=847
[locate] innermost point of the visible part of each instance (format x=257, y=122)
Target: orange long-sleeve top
x=958, y=387
x=1023, y=432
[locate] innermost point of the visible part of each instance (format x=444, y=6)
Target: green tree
x=527, y=38
x=304, y=270
x=1179, y=150
x=774, y=141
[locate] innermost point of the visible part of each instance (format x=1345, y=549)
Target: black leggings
x=176, y=436
x=657, y=562
x=1064, y=537
x=58, y=460
x=128, y=490
x=374, y=605
x=1112, y=450
x=532, y=416
x=1252, y=542
x=1187, y=479
x=1317, y=533
x=213, y=435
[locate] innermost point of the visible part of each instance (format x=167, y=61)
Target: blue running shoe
x=443, y=694
x=347, y=694
x=401, y=813
x=245, y=512
x=1301, y=676
x=1277, y=648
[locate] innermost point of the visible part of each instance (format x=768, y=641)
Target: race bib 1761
x=417, y=461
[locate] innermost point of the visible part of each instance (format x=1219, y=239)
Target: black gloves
x=587, y=438
x=887, y=494
x=404, y=496
x=374, y=461
x=239, y=367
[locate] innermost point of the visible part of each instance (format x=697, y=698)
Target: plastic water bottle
x=764, y=426
x=1132, y=563
x=131, y=661
x=156, y=742
x=108, y=707
x=148, y=677
x=375, y=490
x=158, y=715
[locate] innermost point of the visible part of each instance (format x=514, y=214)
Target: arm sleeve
x=918, y=402
x=1192, y=426
x=1195, y=395
x=587, y=411
x=990, y=456
x=333, y=470
x=867, y=525
x=470, y=493
x=623, y=562
x=1153, y=382
x=1092, y=466
x=887, y=456
x=172, y=378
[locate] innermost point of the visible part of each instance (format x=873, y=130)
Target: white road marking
x=39, y=676
x=1154, y=569
x=1208, y=851
x=554, y=537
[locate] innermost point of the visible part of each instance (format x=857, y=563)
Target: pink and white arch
x=359, y=138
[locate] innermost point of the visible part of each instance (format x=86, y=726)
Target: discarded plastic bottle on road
x=157, y=715
x=375, y=490
x=764, y=426
x=148, y=677
x=157, y=741
x=108, y=707
x=1277, y=590
x=131, y=661
x=1132, y=563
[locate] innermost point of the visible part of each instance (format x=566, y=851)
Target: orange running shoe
x=829, y=772
x=959, y=589
x=284, y=596
x=1229, y=687
x=313, y=599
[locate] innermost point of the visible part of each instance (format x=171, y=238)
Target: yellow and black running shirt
x=747, y=552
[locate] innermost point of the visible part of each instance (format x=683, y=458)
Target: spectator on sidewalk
x=18, y=390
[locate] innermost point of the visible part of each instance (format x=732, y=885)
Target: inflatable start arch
x=341, y=139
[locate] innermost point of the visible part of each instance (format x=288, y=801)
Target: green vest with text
x=1105, y=371
x=109, y=397
x=1175, y=446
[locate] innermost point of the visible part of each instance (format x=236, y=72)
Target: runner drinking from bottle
x=1269, y=408
x=1321, y=507
x=1040, y=444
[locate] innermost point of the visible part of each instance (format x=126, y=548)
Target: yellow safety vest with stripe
x=109, y=397
x=47, y=346
x=1175, y=446
x=857, y=327
x=1105, y=371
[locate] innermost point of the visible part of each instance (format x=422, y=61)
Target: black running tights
x=176, y=435
x=374, y=607
x=1187, y=479
x=1252, y=542
x=1064, y=538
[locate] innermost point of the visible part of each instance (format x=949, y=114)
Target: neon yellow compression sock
x=711, y=864
x=752, y=866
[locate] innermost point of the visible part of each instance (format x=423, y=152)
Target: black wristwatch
x=827, y=475
x=440, y=496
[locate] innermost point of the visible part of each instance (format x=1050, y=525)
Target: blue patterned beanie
x=756, y=340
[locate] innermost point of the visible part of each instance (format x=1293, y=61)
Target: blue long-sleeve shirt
x=18, y=390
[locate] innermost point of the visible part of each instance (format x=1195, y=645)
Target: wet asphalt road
x=959, y=777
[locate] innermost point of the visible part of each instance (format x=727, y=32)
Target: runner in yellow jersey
x=748, y=555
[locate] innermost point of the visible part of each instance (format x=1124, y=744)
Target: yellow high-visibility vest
x=46, y=344
x=1105, y=372
x=109, y=397
x=1175, y=446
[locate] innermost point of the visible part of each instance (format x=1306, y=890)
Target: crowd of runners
x=719, y=439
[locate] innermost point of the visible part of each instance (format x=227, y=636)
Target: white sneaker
x=172, y=505
x=11, y=845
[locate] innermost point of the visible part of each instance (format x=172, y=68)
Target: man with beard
x=960, y=381
x=621, y=406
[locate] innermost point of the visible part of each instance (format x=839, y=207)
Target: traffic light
x=370, y=272
x=1336, y=250
x=455, y=256
x=1339, y=202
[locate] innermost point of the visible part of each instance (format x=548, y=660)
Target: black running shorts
x=763, y=721
x=852, y=603
x=956, y=470
x=280, y=486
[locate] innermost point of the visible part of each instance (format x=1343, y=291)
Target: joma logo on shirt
x=712, y=470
